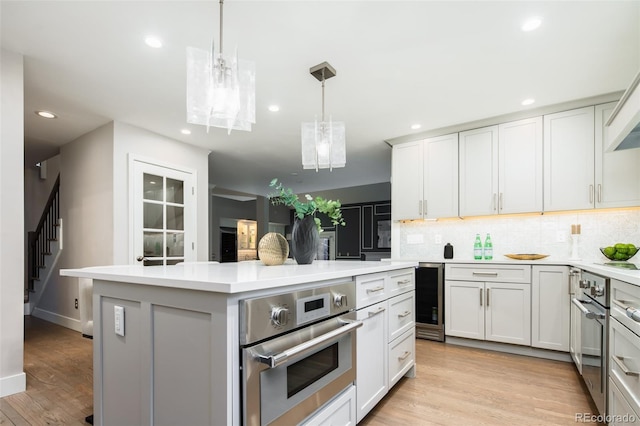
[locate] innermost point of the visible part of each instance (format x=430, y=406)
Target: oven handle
x=585, y=311
x=277, y=360
x=631, y=312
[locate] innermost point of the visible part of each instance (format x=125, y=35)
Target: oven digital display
x=312, y=305
x=312, y=308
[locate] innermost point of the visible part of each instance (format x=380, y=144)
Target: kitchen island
x=166, y=338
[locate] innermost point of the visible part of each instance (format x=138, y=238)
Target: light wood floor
x=454, y=386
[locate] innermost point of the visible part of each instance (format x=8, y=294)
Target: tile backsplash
x=548, y=233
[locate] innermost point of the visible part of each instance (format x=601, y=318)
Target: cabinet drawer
x=340, y=411
x=493, y=273
x=401, y=356
x=401, y=314
x=401, y=281
x=624, y=362
x=620, y=411
x=625, y=295
x=371, y=289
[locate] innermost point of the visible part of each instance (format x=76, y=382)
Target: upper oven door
x=287, y=378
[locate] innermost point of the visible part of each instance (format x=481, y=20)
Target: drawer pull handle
x=375, y=289
x=485, y=274
x=404, y=356
x=403, y=282
x=620, y=361
x=376, y=312
x=404, y=314
x=633, y=313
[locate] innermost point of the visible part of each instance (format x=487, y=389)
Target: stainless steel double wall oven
x=298, y=351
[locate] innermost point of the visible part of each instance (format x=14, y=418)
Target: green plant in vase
x=306, y=228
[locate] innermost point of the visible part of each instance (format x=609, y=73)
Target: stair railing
x=46, y=232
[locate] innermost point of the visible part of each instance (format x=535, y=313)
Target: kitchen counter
x=167, y=338
x=235, y=277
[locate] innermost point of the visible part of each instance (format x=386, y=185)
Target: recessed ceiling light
x=274, y=108
x=528, y=102
x=153, y=42
x=46, y=114
x=416, y=126
x=531, y=24
x=185, y=131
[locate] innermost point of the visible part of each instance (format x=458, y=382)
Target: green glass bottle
x=477, y=248
x=488, y=248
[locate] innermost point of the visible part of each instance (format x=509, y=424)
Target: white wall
x=521, y=234
x=12, y=378
x=137, y=142
x=37, y=190
x=86, y=210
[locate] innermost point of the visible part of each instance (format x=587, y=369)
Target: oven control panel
x=268, y=316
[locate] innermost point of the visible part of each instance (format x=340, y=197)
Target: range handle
x=283, y=357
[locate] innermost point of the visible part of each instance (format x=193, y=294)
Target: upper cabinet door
x=520, y=163
x=479, y=171
x=618, y=172
x=407, y=181
x=569, y=160
x=440, y=177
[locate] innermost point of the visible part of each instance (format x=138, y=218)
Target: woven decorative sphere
x=273, y=249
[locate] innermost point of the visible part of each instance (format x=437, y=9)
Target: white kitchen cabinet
x=425, y=179
x=550, y=307
x=617, y=173
x=372, y=340
x=488, y=310
x=569, y=174
x=386, y=306
x=341, y=411
x=501, y=168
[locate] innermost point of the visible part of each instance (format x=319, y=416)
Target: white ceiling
x=397, y=62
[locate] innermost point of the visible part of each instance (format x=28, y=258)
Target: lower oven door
x=287, y=378
x=593, y=337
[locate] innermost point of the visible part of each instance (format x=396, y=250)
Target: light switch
x=118, y=314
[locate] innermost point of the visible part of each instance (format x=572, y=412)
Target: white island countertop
x=235, y=277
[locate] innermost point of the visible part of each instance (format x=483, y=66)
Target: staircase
x=43, y=240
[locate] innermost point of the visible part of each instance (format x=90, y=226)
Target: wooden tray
x=527, y=256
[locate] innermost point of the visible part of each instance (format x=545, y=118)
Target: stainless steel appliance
x=594, y=343
x=298, y=352
x=430, y=301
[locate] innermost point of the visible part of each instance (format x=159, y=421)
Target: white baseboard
x=512, y=349
x=13, y=384
x=67, y=322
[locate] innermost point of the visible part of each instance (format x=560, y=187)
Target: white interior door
x=164, y=215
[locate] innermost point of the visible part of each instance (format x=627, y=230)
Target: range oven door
x=594, y=323
x=287, y=378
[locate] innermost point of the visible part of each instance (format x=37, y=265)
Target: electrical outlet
x=118, y=317
x=561, y=237
x=76, y=304
x=438, y=239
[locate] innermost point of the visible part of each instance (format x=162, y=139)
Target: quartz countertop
x=235, y=277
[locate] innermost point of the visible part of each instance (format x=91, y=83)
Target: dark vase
x=304, y=240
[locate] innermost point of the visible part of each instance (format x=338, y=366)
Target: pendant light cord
x=221, y=13
x=323, y=96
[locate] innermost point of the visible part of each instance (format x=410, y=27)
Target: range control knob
x=339, y=300
x=584, y=283
x=279, y=315
x=597, y=291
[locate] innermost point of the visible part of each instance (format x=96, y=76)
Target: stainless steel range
x=594, y=306
x=298, y=352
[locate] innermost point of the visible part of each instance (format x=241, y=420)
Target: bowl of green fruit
x=619, y=252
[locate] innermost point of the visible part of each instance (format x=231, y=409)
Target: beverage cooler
x=430, y=301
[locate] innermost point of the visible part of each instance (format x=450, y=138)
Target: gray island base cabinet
x=174, y=358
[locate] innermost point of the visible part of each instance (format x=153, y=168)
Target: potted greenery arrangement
x=305, y=235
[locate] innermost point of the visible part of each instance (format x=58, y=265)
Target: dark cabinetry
x=348, y=237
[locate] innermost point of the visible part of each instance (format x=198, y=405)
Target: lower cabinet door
x=372, y=362
x=339, y=412
x=508, y=313
x=464, y=309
